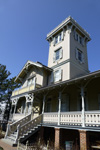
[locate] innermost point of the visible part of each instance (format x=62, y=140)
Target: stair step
x=9, y=142
x=11, y=138
x=13, y=135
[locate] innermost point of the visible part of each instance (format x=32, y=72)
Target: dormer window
x=31, y=81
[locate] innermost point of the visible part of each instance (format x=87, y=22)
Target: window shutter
x=83, y=40
x=54, y=41
x=62, y=35
x=54, y=56
x=51, y=80
x=83, y=61
x=75, y=36
x=76, y=53
x=60, y=72
x=61, y=53
x=74, y=33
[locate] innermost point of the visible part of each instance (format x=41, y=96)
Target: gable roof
x=28, y=65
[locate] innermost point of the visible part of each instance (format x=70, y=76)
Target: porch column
x=83, y=107
x=57, y=139
x=26, y=105
x=84, y=144
x=15, y=105
x=32, y=106
x=43, y=104
x=11, y=109
x=59, y=109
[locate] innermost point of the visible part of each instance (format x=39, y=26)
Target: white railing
x=71, y=118
x=18, y=116
x=51, y=118
x=92, y=118
x=23, y=90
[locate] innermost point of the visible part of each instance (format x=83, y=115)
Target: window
x=57, y=54
x=31, y=81
x=58, y=38
x=79, y=55
x=57, y=75
x=79, y=38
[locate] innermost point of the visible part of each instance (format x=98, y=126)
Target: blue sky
x=24, y=25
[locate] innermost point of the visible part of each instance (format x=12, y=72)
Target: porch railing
x=92, y=118
x=23, y=90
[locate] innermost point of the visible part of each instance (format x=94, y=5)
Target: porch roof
x=85, y=78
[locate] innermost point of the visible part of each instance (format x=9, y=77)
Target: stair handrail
x=8, y=130
x=18, y=129
x=11, y=128
x=30, y=125
x=22, y=121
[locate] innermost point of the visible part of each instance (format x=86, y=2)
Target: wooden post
x=26, y=145
x=26, y=105
x=15, y=106
x=83, y=107
x=32, y=106
x=43, y=104
x=59, y=109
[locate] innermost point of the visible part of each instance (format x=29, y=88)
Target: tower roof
x=67, y=21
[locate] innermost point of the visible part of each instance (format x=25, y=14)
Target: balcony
x=92, y=118
x=23, y=90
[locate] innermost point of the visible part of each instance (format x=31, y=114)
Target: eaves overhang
x=63, y=24
x=69, y=82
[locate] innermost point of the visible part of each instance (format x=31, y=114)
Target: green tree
x=7, y=85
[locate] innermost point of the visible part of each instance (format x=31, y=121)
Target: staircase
x=22, y=129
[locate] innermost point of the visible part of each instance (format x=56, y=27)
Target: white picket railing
x=92, y=118
x=51, y=118
x=71, y=118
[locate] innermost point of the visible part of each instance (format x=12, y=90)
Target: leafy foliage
x=7, y=85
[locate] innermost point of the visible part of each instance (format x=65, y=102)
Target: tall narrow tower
x=68, y=50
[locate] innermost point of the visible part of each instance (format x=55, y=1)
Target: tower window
x=79, y=55
x=58, y=38
x=57, y=54
x=57, y=75
x=79, y=38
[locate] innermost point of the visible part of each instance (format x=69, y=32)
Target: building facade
x=63, y=99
